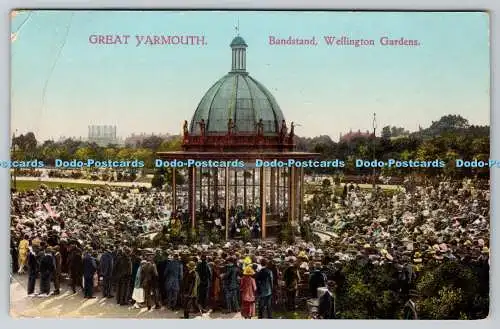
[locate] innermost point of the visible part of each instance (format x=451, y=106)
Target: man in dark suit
x=106, y=271
x=264, y=281
x=47, y=267
x=123, y=275
x=75, y=267
x=149, y=278
x=89, y=269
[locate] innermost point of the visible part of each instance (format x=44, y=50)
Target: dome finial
x=237, y=28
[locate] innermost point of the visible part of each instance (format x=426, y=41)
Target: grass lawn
x=31, y=185
x=144, y=179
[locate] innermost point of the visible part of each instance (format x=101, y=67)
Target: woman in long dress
x=215, y=289
x=248, y=288
x=138, y=294
x=23, y=254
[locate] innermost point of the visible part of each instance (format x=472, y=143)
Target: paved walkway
x=69, y=305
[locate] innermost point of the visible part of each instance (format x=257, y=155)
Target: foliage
x=245, y=234
x=448, y=138
x=450, y=290
x=158, y=180
x=307, y=233
x=215, y=236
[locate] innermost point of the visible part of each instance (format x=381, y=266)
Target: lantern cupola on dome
x=237, y=103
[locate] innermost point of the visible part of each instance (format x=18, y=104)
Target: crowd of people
x=89, y=236
x=196, y=278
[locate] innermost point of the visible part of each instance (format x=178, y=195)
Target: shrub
x=450, y=290
x=245, y=234
x=157, y=181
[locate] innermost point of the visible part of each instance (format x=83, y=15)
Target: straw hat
x=248, y=271
x=417, y=257
x=485, y=250
x=191, y=265
x=302, y=254
x=247, y=260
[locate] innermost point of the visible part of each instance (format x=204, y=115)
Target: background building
x=136, y=140
x=351, y=135
x=102, y=135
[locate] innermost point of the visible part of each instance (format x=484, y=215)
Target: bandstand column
x=296, y=193
x=201, y=189
x=301, y=195
x=273, y=191
x=209, y=183
x=174, y=191
x=226, y=197
x=216, y=187
x=235, y=188
x=278, y=173
x=284, y=175
x=291, y=194
x=192, y=195
x=245, y=188
x=253, y=187
x=263, y=210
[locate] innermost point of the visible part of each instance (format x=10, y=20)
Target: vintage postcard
x=250, y=164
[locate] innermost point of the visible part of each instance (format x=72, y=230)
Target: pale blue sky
x=326, y=90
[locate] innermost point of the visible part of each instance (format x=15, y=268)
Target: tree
x=30, y=143
x=110, y=153
x=70, y=146
x=447, y=123
x=386, y=132
x=145, y=155
x=172, y=144
x=25, y=146
x=125, y=154
x=152, y=142
x=427, y=151
x=398, y=131
x=158, y=180
x=84, y=154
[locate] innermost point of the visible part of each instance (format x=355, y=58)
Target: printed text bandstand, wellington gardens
x=239, y=119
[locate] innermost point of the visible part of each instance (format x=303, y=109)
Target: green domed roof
x=238, y=41
x=243, y=99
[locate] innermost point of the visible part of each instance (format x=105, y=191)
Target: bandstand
x=239, y=119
